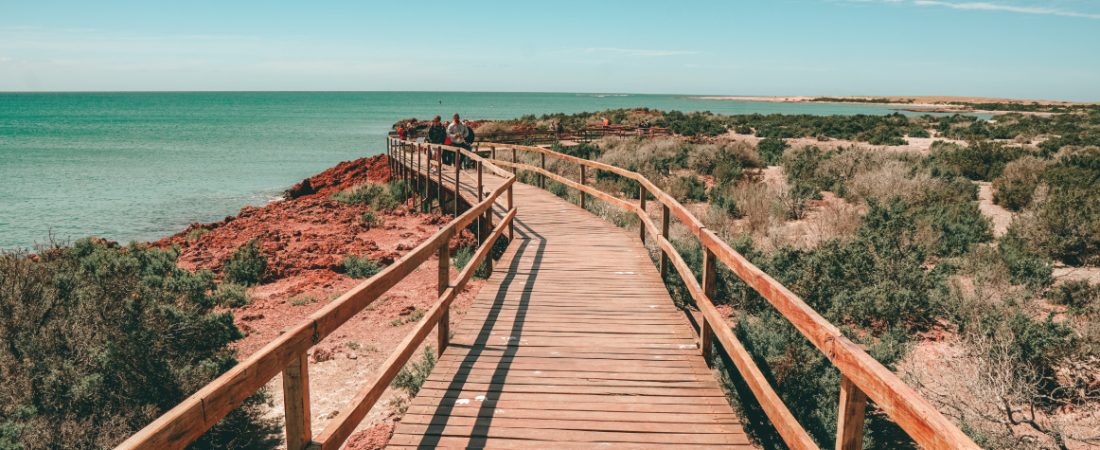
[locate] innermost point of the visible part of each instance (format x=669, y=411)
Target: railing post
x=542, y=178
x=458, y=170
x=583, y=176
x=419, y=176
x=296, y=403
x=850, y=416
x=444, y=282
x=493, y=152
x=512, y=224
x=514, y=169
x=664, y=234
x=439, y=179
x=427, y=177
x=706, y=334
x=642, y=194
x=488, y=212
x=489, y=228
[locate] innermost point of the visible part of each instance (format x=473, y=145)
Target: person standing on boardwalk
x=456, y=131
x=436, y=134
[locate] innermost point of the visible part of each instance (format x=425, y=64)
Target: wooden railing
x=188, y=421
x=536, y=136
x=861, y=375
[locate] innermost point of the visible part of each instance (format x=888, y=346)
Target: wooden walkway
x=573, y=342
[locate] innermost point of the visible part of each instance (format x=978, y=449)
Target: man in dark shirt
x=436, y=134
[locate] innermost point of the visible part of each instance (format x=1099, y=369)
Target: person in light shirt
x=456, y=131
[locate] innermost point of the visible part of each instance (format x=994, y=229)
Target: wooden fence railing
x=861, y=376
x=287, y=354
x=536, y=136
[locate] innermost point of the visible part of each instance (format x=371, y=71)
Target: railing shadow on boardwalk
x=526, y=238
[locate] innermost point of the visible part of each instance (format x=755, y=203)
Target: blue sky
x=1010, y=48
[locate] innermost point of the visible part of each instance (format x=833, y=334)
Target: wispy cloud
x=648, y=53
x=991, y=6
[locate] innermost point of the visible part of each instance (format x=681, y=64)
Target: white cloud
x=988, y=6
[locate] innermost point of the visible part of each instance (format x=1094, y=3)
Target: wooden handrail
x=190, y=419
x=861, y=374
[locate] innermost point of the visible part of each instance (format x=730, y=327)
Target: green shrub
x=412, y=377
x=980, y=160
x=371, y=219
x=801, y=165
x=1078, y=295
x=1015, y=187
x=955, y=227
x=878, y=279
x=807, y=382
x=247, y=265
x=100, y=340
x=1067, y=222
x=694, y=123
x=1024, y=265
x=360, y=266
x=771, y=150
x=918, y=132
x=378, y=197
x=231, y=295
x=688, y=188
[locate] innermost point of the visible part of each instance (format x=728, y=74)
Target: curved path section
x=573, y=343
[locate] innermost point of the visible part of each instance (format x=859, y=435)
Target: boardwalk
x=573, y=343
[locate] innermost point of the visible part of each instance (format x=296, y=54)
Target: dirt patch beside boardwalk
x=306, y=238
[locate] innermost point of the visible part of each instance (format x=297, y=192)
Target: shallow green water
x=138, y=166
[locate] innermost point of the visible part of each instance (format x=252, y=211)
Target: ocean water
x=139, y=166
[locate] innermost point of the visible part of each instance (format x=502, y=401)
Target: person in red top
x=401, y=132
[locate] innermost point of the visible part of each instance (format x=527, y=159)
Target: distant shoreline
x=928, y=104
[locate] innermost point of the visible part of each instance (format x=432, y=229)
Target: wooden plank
x=570, y=435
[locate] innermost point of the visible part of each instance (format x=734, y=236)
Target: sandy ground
x=902, y=100
x=922, y=146
x=998, y=215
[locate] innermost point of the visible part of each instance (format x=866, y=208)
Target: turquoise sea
x=139, y=166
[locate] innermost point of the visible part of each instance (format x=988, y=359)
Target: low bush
x=1078, y=296
x=688, y=188
x=379, y=197
x=1016, y=186
x=1068, y=218
x=371, y=219
x=100, y=340
x=979, y=160
x=771, y=150
x=231, y=295
x=247, y=265
x=361, y=266
x=1025, y=266
x=954, y=227
x=412, y=377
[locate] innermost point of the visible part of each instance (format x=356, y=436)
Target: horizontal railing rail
x=587, y=134
x=861, y=375
x=287, y=354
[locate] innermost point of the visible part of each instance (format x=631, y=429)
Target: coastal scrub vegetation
x=379, y=197
x=247, y=265
x=361, y=266
x=893, y=248
x=101, y=339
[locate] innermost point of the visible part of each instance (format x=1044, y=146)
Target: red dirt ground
x=306, y=237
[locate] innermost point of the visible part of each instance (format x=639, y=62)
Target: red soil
x=306, y=238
